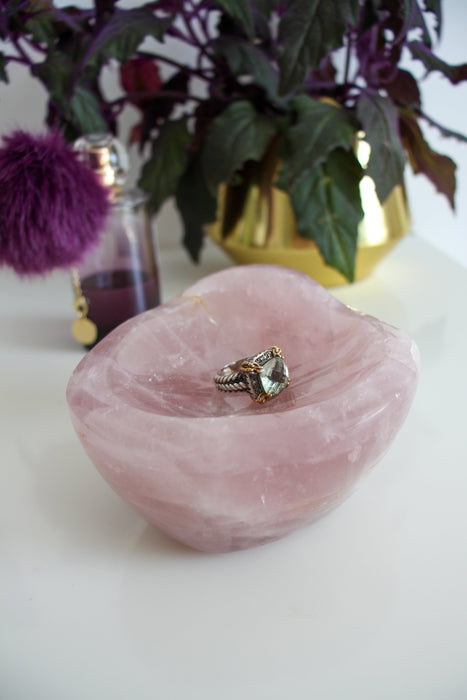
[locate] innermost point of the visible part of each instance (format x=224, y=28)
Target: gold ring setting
x=263, y=375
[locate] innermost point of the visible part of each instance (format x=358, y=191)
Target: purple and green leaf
x=328, y=209
x=239, y=134
x=319, y=128
x=434, y=6
x=196, y=204
x=380, y=122
x=244, y=59
x=123, y=33
x=308, y=30
x=240, y=10
x=169, y=156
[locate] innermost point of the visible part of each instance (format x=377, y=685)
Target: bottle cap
x=107, y=156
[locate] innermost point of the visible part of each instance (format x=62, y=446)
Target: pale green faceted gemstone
x=274, y=376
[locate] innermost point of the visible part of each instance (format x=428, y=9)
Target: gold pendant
x=84, y=331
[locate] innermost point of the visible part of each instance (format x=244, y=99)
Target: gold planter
x=256, y=224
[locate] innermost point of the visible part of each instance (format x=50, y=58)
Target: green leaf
x=411, y=17
x=307, y=31
x=246, y=59
x=380, y=120
x=320, y=128
x=3, y=64
x=56, y=74
x=265, y=7
x=196, y=204
x=123, y=33
x=434, y=6
x=85, y=112
x=40, y=22
x=455, y=74
x=239, y=134
x=240, y=11
x=328, y=209
x=73, y=107
x=161, y=173
x=438, y=168
x=264, y=24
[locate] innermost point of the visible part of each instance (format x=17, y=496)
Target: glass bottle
x=119, y=278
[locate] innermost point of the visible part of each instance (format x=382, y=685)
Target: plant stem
x=347, y=57
x=202, y=18
x=200, y=73
x=16, y=59
x=195, y=39
x=154, y=95
x=447, y=133
x=25, y=58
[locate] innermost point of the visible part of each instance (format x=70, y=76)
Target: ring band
x=263, y=375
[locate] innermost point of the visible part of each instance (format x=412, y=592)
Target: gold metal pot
x=256, y=224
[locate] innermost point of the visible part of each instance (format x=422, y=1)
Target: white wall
x=22, y=104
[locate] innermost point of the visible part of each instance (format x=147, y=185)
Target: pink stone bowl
x=218, y=471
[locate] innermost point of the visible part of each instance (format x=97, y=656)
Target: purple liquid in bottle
x=115, y=296
x=119, y=277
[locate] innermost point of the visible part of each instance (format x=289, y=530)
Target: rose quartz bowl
x=218, y=471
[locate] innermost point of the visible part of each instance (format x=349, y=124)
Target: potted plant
x=292, y=85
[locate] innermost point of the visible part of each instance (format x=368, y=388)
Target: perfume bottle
x=119, y=278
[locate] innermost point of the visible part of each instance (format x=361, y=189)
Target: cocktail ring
x=263, y=375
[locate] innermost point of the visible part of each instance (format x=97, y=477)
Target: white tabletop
x=367, y=604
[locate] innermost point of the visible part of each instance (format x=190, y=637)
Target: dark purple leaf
x=404, y=89
x=104, y=6
x=324, y=75
x=438, y=168
x=140, y=75
x=371, y=15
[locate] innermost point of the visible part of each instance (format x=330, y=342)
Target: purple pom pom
x=52, y=206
